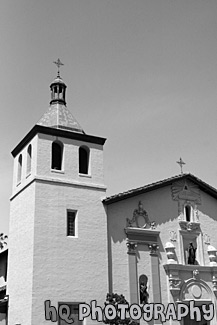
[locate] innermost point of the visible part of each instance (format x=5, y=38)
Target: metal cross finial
x=58, y=64
x=181, y=163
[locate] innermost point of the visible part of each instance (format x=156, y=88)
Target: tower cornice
x=55, y=132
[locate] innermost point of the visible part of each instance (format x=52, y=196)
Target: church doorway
x=188, y=321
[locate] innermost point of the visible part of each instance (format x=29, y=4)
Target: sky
x=141, y=73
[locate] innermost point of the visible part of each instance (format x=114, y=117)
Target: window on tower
x=84, y=153
x=71, y=223
x=29, y=160
x=19, y=172
x=57, y=155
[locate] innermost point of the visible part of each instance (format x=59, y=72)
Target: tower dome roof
x=58, y=80
x=58, y=115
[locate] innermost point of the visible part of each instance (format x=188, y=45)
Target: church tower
x=58, y=241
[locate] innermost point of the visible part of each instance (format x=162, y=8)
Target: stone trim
x=191, y=268
x=60, y=182
x=142, y=236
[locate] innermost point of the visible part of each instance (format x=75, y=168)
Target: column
x=133, y=278
x=156, y=288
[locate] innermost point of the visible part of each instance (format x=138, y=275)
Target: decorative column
x=155, y=276
x=133, y=277
x=170, y=251
x=214, y=284
x=212, y=255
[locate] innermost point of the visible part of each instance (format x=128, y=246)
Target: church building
x=70, y=244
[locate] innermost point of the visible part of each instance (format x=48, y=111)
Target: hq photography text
x=148, y=312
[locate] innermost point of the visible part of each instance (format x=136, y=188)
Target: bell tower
x=58, y=232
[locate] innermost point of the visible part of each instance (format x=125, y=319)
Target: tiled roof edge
x=153, y=186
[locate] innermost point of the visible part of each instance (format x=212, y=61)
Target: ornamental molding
x=190, y=268
x=170, y=252
x=189, y=226
x=174, y=287
x=214, y=284
x=131, y=247
x=173, y=236
x=185, y=190
x=140, y=218
x=142, y=236
x=211, y=250
x=195, y=287
x=194, y=210
x=153, y=249
x=174, y=283
x=206, y=239
x=196, y=274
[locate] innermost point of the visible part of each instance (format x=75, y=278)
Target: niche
x=143, y=289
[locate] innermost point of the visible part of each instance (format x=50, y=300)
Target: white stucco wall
x=68, y=269
x=45, y=264
x=25, y=177
x=20, y=257
x=70, y=165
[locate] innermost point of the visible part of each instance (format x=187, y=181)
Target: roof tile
x=153, y=186
x=58, y=116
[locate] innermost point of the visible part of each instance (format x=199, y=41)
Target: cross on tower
x=181, y=163
x=58, y=64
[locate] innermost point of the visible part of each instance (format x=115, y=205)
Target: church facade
x=70, y=245
x=160, y=236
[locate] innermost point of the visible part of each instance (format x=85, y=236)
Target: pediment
x=185, y=189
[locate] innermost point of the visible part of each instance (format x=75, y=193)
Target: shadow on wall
x=158, y=205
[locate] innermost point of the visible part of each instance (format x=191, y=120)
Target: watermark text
x=148, y=312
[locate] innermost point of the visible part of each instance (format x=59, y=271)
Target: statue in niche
x=143, y=293
x=191, y=254
x=143, y=289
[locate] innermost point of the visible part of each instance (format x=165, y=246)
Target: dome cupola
x=58, y=116
x=58, y=87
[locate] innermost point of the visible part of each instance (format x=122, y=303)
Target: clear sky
x=142, y=73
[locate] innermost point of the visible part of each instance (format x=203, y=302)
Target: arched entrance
x=188, y=321
x=196, y=292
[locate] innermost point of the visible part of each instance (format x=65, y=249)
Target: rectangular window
x=71, y=223
x=73, y=313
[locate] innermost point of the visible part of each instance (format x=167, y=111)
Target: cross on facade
x=181, y=163
x=58, y=64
